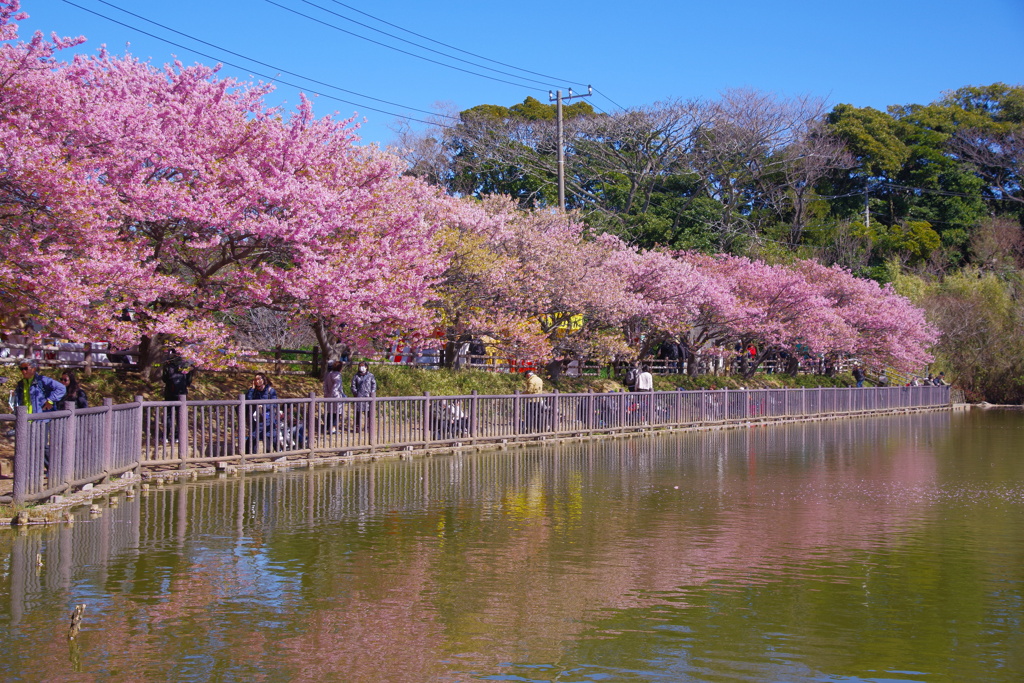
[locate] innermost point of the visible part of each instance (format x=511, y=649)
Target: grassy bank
x=124, y=386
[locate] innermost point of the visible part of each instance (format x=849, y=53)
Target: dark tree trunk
x=150, y=351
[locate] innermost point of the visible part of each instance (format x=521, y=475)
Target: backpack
x=631, y=377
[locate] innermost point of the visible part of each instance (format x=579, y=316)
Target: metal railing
x=54, y=452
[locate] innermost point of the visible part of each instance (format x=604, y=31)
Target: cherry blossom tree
x=663, y=296
x=887, y=329
x=523, y=277
x=178, y=193
x=778, y=311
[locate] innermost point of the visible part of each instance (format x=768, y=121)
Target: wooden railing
x=55, y=452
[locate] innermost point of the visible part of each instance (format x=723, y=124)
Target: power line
x=256, y=61
x=423, y=47
x=609, y=99
x=268, y=77
x=945, y=193
x=452, y=47
x=396, y=49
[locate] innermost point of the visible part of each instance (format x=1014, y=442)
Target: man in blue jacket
x=38, y=393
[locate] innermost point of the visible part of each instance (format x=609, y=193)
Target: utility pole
x=557, y=99
x=867, y=206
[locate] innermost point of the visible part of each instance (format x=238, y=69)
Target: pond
x=864, y=549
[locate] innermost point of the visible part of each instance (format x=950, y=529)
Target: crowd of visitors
x=268, y=424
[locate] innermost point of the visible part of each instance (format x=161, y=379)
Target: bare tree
x=264, y=328
x=998, y=244
x=640, y=145
x=802, y=164
x=997, y=157
x=426, y=151
x=745, y=148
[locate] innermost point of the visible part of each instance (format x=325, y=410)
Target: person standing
x=38, y=393
x=534, y=384
x=685, y=357
x=263, y=418
x=534, y=407
x=334, y=387
x=858, y=375
x=73, y=392
x=364, y=385
x=645, y=380
x=641, y=407
x=632, y=375
x=177, y=377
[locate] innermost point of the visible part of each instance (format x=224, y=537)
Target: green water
x=876, y=549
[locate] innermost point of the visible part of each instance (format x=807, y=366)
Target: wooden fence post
x=21, y=455
x=372, y=423
x=183, y=430
x=311, y=424
x=474, y=405
x=67, y=456
x=140, y=424
x=553, y=426
x=427, y=407
x=243, y=436
x=108, y=437
x=589, y=414
x=517, y=414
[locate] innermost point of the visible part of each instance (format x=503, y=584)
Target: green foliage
x=911, y=286
x=981, y=317
x=914, y=239
x=696, y=177
x=990, y=105
x=872, y=136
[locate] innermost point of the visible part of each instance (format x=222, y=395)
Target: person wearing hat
x=38, y=393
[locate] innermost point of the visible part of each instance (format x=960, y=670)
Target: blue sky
x=867, y=53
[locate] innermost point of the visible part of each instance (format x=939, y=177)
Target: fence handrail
x=58, y=450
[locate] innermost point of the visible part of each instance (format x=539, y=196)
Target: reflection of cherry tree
x=556, y=546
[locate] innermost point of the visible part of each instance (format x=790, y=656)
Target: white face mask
x=362, y=369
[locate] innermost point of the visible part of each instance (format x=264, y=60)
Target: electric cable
x=396, y=49
x=609, y=99
x=268, y=77
x=422, y=47
x=256, y=61
x=452, y=47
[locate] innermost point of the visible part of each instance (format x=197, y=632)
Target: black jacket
x=176, y=380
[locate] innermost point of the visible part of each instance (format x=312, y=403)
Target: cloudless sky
x=863, y=52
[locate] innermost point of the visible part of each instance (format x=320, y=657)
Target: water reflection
x=864, y=549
